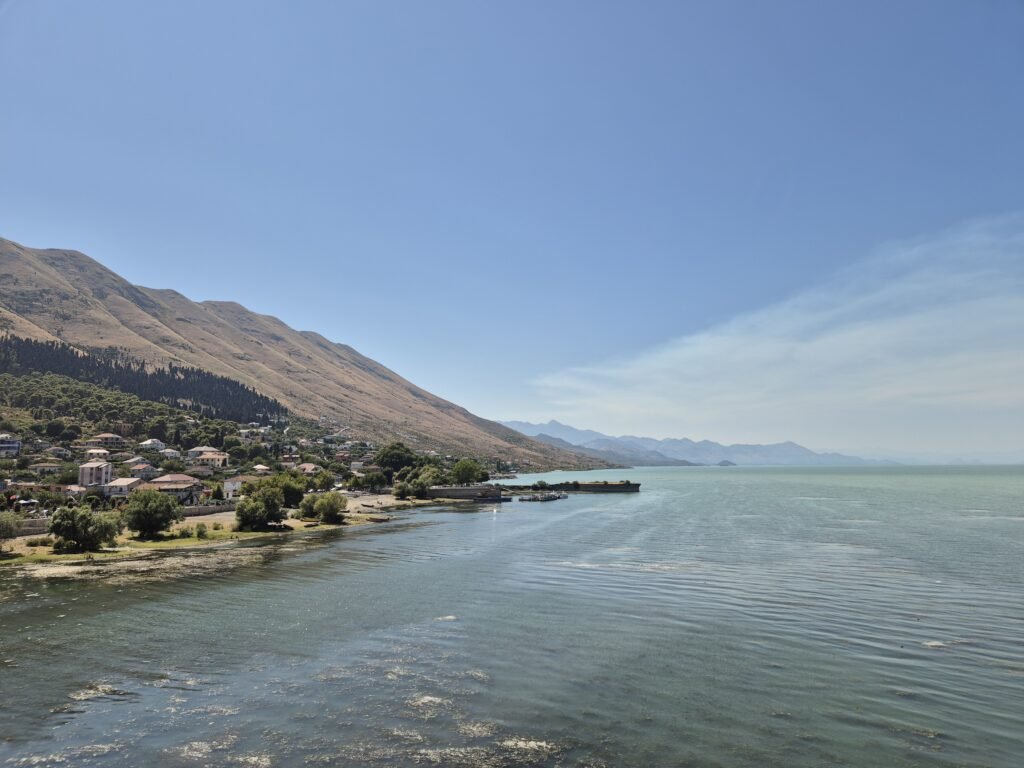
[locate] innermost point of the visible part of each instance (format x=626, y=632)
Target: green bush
x=329, y=508
x=261, y=509
x=218, y=526
x=185, y=533
x=79, y=529
x=307, y=507
x=40, y=541
x=201, y=531
x=9, y=523
x=150, y=512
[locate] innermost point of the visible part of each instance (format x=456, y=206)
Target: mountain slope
x=616, y=453
x=48, y=294
x=683, y=449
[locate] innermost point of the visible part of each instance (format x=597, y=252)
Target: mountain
x=65, y=295
x=613, y=454
x=647, y=451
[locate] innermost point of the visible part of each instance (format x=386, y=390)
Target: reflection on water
x=737, y=618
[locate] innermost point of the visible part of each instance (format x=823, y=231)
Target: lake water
x=720, y=617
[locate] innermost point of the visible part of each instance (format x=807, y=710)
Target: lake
x=720, y=617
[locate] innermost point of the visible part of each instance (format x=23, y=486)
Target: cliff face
x=57, y=294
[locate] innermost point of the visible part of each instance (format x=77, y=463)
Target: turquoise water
x=721, y=617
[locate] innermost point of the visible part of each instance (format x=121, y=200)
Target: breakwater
x=574, y=486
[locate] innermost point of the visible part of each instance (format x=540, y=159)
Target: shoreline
x=173, y=557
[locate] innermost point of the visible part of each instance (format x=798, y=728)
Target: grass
x=129, y=545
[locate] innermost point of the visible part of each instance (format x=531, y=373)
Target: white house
x=170, y=453
x=212, y=459
x=10, y=446
x=122, y=486
x=152, y=445
x=95, y=473
x=107, y=440
x=233, y=485
x=97, y=454
x=199, y=450
x=143, y=471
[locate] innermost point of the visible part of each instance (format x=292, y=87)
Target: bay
x=720, y=617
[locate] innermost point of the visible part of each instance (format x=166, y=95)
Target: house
x=309, y=469
x=143, y=471
x=97, y=454
x=199, y=450
x=107, y=440
x=95, y=473
x=10, y=446
x=173, y=478
x=185, y=489
x=170, y=453
x=121, y=487
x=58, y=452
x=201, y=470
x=152, y=445
x=261, y=469
x=211, y=459
x=233, y=485
x=46, y=468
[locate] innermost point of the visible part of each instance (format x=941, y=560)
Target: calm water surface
x=721, y=617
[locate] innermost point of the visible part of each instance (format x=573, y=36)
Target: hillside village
x=39, y=472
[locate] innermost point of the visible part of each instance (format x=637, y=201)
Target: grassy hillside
x=58, y=294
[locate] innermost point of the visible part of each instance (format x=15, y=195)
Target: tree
x=218, y=492
x=329, y=508
x=375, y=481
x=466, y=471
x=394, y=457
x=261, y=508
x=292, y=488
x=402, y=490
x=323, y=481
x=307, y=506
x=79, y=529
x=8, y=526
x=150, y=512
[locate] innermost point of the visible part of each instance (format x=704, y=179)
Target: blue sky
x=500, y=199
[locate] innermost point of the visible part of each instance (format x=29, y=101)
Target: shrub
x=218, y=526
x=9, y=523
x=307, y=507
x=184, y=533
x=329, y=508
x=201, y=532
x=150, y=512
x=40, y=541
x=262, y=508
x=79, y=529
x=402, y=490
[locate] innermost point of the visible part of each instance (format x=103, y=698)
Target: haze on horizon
x=736, y=221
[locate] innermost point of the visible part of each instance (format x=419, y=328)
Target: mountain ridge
x=65, y=295
x=701, y=452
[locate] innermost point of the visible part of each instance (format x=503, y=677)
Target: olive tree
x=79, y=529
x=150, y=512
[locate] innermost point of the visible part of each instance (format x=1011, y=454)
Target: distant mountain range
x=646, y=451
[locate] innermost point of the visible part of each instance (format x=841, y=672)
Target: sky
x=738, y=221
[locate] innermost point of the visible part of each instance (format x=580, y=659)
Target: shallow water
x=721, y=617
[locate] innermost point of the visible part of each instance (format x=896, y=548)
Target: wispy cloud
x=917, y=350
